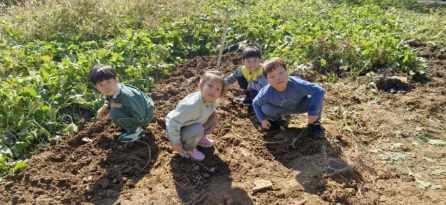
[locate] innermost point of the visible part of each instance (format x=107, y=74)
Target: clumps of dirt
x=393, y=84
x=92, y=167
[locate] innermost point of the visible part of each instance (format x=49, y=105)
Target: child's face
x=278, y=78
x=251, y=63
x=107, y=87
x=211, y=90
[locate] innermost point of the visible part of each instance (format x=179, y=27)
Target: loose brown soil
x=388, y=144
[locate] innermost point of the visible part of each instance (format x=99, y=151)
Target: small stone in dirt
x=55, y=139
x=423, y=184
x=261, y=185
x=400, y=147
x=86, y=140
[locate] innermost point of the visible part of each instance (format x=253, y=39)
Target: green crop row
x=46, y=51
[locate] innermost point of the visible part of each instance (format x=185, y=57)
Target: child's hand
x=230, y=86
x=178, y=148
x=265, y=124
x=102, y=112
x=312, y=119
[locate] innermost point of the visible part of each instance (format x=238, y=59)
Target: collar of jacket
x=251, y=75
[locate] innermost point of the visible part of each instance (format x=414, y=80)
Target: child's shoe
x=196, y=155
x=205, y=142
x=131, y=137
x=315, y=130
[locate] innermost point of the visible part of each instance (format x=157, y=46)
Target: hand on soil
x=230, y=86
x=312, y=119
x=102, y=113
x=180, y=150
x=265, y=124
x=302, y=202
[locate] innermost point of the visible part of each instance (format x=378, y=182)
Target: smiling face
x=211, y=90
x=278, y=78
x=251, y=63
x=107, y=87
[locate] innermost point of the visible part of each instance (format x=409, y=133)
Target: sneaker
x=205, y=142
x=131, y=137
x=196, y=155
x=315, y=130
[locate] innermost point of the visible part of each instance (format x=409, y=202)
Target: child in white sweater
x=194, y=117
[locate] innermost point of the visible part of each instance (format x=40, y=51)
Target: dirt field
x=392, y=143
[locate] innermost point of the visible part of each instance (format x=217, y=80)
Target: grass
x=48, y=47
x=89, y=20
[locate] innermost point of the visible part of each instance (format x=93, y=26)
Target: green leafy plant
x=47, y=50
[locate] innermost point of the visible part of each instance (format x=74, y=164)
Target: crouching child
x=194, y=118
x=285, y=95
x=125, y=105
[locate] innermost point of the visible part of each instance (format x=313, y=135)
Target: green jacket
x=131, y=103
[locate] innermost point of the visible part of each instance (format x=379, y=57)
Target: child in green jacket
x=125, y=105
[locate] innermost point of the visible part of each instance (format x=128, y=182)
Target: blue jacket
x=296, y=91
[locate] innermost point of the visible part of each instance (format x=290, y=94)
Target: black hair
x=251, y=52
x=101, y=72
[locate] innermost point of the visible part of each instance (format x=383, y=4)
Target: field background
x=381, y=62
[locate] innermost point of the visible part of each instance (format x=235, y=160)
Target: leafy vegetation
x=47, y=49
